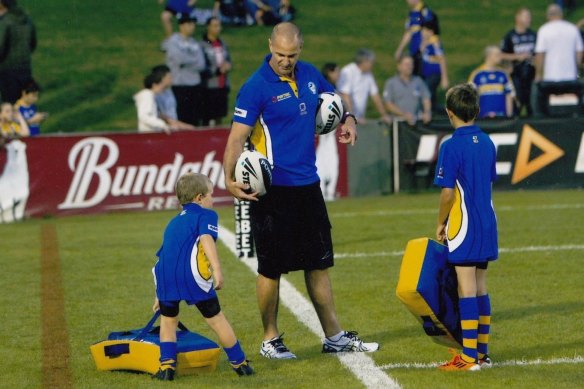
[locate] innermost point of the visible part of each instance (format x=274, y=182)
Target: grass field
x=93, y=55
x=106, y=284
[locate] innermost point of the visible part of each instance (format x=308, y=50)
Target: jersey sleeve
x=447, y=167
x=208, y=224
x=248, y=106
x=507, y=44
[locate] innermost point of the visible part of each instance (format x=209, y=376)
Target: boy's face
x=206, y=201
x=31, y=97
x=6, y=112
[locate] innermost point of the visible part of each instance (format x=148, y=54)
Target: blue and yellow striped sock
x=167, y=355
x=469, y=320
x=484, y=305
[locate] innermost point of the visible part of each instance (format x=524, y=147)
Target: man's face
x=524, y=18
x=187, y=29
x=406, y=67
x=285, y=54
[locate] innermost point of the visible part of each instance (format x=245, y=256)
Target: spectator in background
x=434, y=70
x=186, y=60
x=12, y=124
x=518, y=46
x=26, y=105
x=412, y=36
x=231, y=12
x=269, y=12
x=406, y=96
x=356, y=83
x=148, y=118
x=558, y=48
x=17, y=43
x=165, y=100
x=327, y=152
x=494, y=87
x=217, y=86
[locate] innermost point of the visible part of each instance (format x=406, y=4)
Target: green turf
x=93, y=55
x=106, y=262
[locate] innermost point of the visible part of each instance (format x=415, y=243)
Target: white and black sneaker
x=348, y=342
x=275, y=349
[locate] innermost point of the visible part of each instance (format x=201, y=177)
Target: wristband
x=346, y=115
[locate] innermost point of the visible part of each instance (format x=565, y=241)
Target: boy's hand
x=441, y=233
x=156, y=305
x=217, y=279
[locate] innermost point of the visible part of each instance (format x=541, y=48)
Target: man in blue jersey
x=495, y=89
x=188, y=269
x=412, y=37
x=276, y=110
x=467, y=221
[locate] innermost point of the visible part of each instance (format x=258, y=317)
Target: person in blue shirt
x=276, y=109
x=495, y=89
x=434, y=71
x=188, y=269
x=467, y=221
x=412, y=37
x=26, y=105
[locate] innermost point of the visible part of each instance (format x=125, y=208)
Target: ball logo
x=248, y=170
x=333, y=116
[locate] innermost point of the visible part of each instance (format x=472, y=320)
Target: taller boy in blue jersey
x=187, y=265
x=276, y=109
x=467, y=221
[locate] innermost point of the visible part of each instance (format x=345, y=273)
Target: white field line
x=504, y=250
x=360, y=364
x=431, y=211
x=521, y=362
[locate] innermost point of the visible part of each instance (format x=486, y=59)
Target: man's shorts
x=291, y=230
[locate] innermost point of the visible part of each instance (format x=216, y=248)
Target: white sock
x=337, y=337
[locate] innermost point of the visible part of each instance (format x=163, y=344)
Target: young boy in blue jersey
x=467, y=221
x=191, y=235
x=28, y=109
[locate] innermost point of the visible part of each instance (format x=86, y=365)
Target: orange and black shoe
x=164, y=373
x=243, y=368
x=459, y=364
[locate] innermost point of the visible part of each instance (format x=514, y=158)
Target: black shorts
x=208, y=308
x=479, y=265
x=291, y=230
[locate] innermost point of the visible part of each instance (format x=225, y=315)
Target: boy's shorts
x=291, y=230
x=208, y=308
x=479, y=265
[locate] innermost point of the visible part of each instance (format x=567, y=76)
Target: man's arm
x=406, y=38
x=237, y=138
x=446, y=201
x=427, y=107
x=539, y=60
x=347, y=100
x=381, y=109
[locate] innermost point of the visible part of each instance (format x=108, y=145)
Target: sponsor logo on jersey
x=281, y=97
x=213, y=228
x=240, y=112
x=312, y=87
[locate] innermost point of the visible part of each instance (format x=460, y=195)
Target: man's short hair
x=363, y=55
x=463, y=101
x=190, y=185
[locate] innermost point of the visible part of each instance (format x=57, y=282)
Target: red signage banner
x=83, y=174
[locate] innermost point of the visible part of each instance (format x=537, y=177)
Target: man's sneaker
x=348, y=342
x=485, y=362
x=275, y=349
x=243, y=368
x=459, y=364
x=164, y=375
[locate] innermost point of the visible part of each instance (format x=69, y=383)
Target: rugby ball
x=254, y=169
x=329, y=113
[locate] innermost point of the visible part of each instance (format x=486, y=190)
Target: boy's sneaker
x=164, y=375
x=243, y=368
x=459, y=364
x=275, y=349
x=485, y=362
x=348, y=342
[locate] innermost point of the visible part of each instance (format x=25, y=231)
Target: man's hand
x=348, y=132
x=238, y=190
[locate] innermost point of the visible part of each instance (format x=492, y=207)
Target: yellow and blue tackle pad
x=428, y=288
x=139, y=350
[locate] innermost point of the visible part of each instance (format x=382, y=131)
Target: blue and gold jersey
x=282, y=113
x=183, y=271
x=493, y=86
x=467, y=164
x=431, y=54
x=414, y=22
x=27, y=112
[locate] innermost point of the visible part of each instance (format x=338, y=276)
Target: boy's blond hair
x=190, y=185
